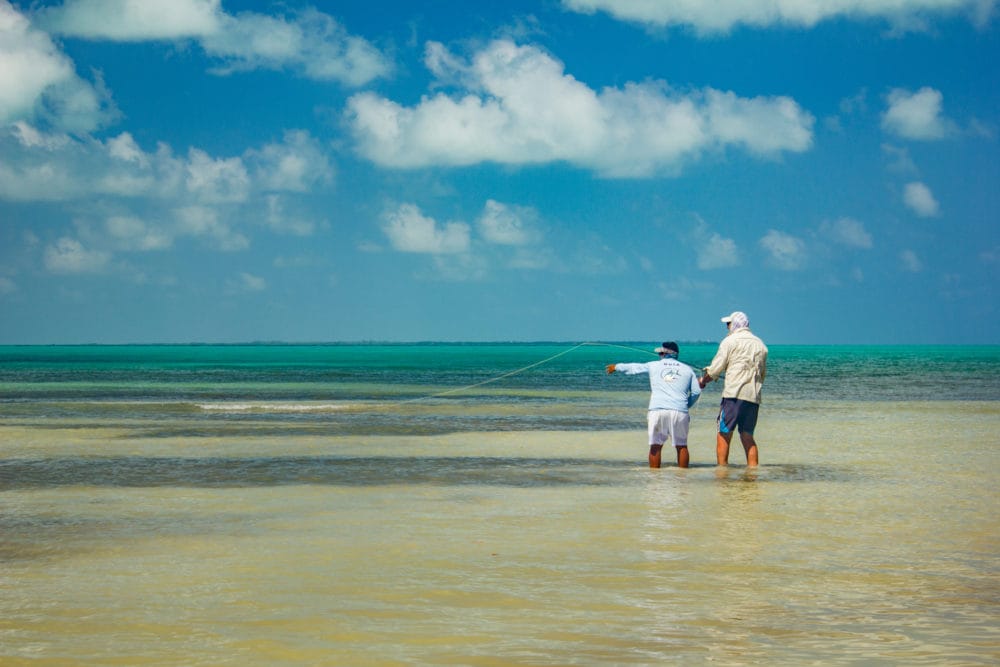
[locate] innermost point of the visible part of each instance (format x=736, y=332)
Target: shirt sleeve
x=695, y=391
x=718, y=364
x=632, y=369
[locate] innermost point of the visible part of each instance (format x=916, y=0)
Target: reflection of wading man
x=673, y=389
x=743, y=358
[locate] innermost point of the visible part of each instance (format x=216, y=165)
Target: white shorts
x=665, y=425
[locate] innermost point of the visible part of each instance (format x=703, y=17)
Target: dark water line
x=221, y=472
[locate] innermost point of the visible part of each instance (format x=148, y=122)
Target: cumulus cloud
x=309, y=43
x=312, y=44
x=724, y=15
x=67, y=255
x=505, y=236
x=409, y=230
x=718, y=252
x=209, y=224
x=504, y=224
x=919, y=199
x=713, y=250
x=216, y=180
x=910, y=262
x=132, y=233
x=297, y=164
x=518, y=106
x=39, y=84
x=281, y=220
x=131, y=21
x=848, y=232
x=36, y=166
x=784, y=251
x=915, y=115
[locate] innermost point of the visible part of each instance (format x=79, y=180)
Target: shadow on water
x=330, y=471
x=783, y=472
x=222, y=472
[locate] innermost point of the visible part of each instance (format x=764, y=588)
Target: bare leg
x=722, y=448
x=750, y=447
x=683, y=457
x=655, y=451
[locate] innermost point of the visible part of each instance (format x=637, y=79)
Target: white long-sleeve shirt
x=672, y=385
x=743, y=358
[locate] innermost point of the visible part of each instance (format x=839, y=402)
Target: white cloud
x=531, y=259
x=857, y=103
x=39, y=83
x=132, y=20
x=296, y=165
x=67, y=255
x=216, y=180
x=785, y=252
x=919, y=198
x=409, y=230
x=910, y=262
x=520, y=107
x=507, y=225
x=309, y=43
x=198, y=196
x=251, y=283
x=713, y=250
x=915, y=115
x=38, y=166
x=718, y=252
x=29, y=63
x=206, y=223
x=124, y=148
x=724, y=15
x=899, y=159
x=279, y=219
x=848, y=232
x=132, y=233
x=456, y=267
x=313, y=44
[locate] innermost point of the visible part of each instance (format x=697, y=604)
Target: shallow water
x=868, y=535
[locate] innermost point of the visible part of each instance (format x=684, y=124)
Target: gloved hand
x=611, y=369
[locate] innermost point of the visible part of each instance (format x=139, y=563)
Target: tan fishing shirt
x=743, y=358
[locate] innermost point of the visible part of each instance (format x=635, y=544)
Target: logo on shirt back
x=669, y=374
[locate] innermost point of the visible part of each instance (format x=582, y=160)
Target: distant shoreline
x=443, y=343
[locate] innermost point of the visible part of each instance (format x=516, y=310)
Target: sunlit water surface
x=869, y=535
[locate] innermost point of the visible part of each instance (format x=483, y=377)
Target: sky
x=222, y=171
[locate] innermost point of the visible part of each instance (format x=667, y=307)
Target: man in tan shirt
x=742, y=357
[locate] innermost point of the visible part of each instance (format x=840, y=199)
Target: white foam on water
x=274, y=407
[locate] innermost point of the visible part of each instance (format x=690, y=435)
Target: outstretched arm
x=629, y=369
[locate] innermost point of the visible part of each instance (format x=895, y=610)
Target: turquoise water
x=491, y=505
x=171, y=377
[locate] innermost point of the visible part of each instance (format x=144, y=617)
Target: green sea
x=490, y=504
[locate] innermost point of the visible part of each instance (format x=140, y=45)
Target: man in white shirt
x=742, y=357
x=673, y=389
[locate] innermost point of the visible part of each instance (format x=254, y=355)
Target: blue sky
x=571, y=170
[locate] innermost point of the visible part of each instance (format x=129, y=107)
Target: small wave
x=271, y=407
